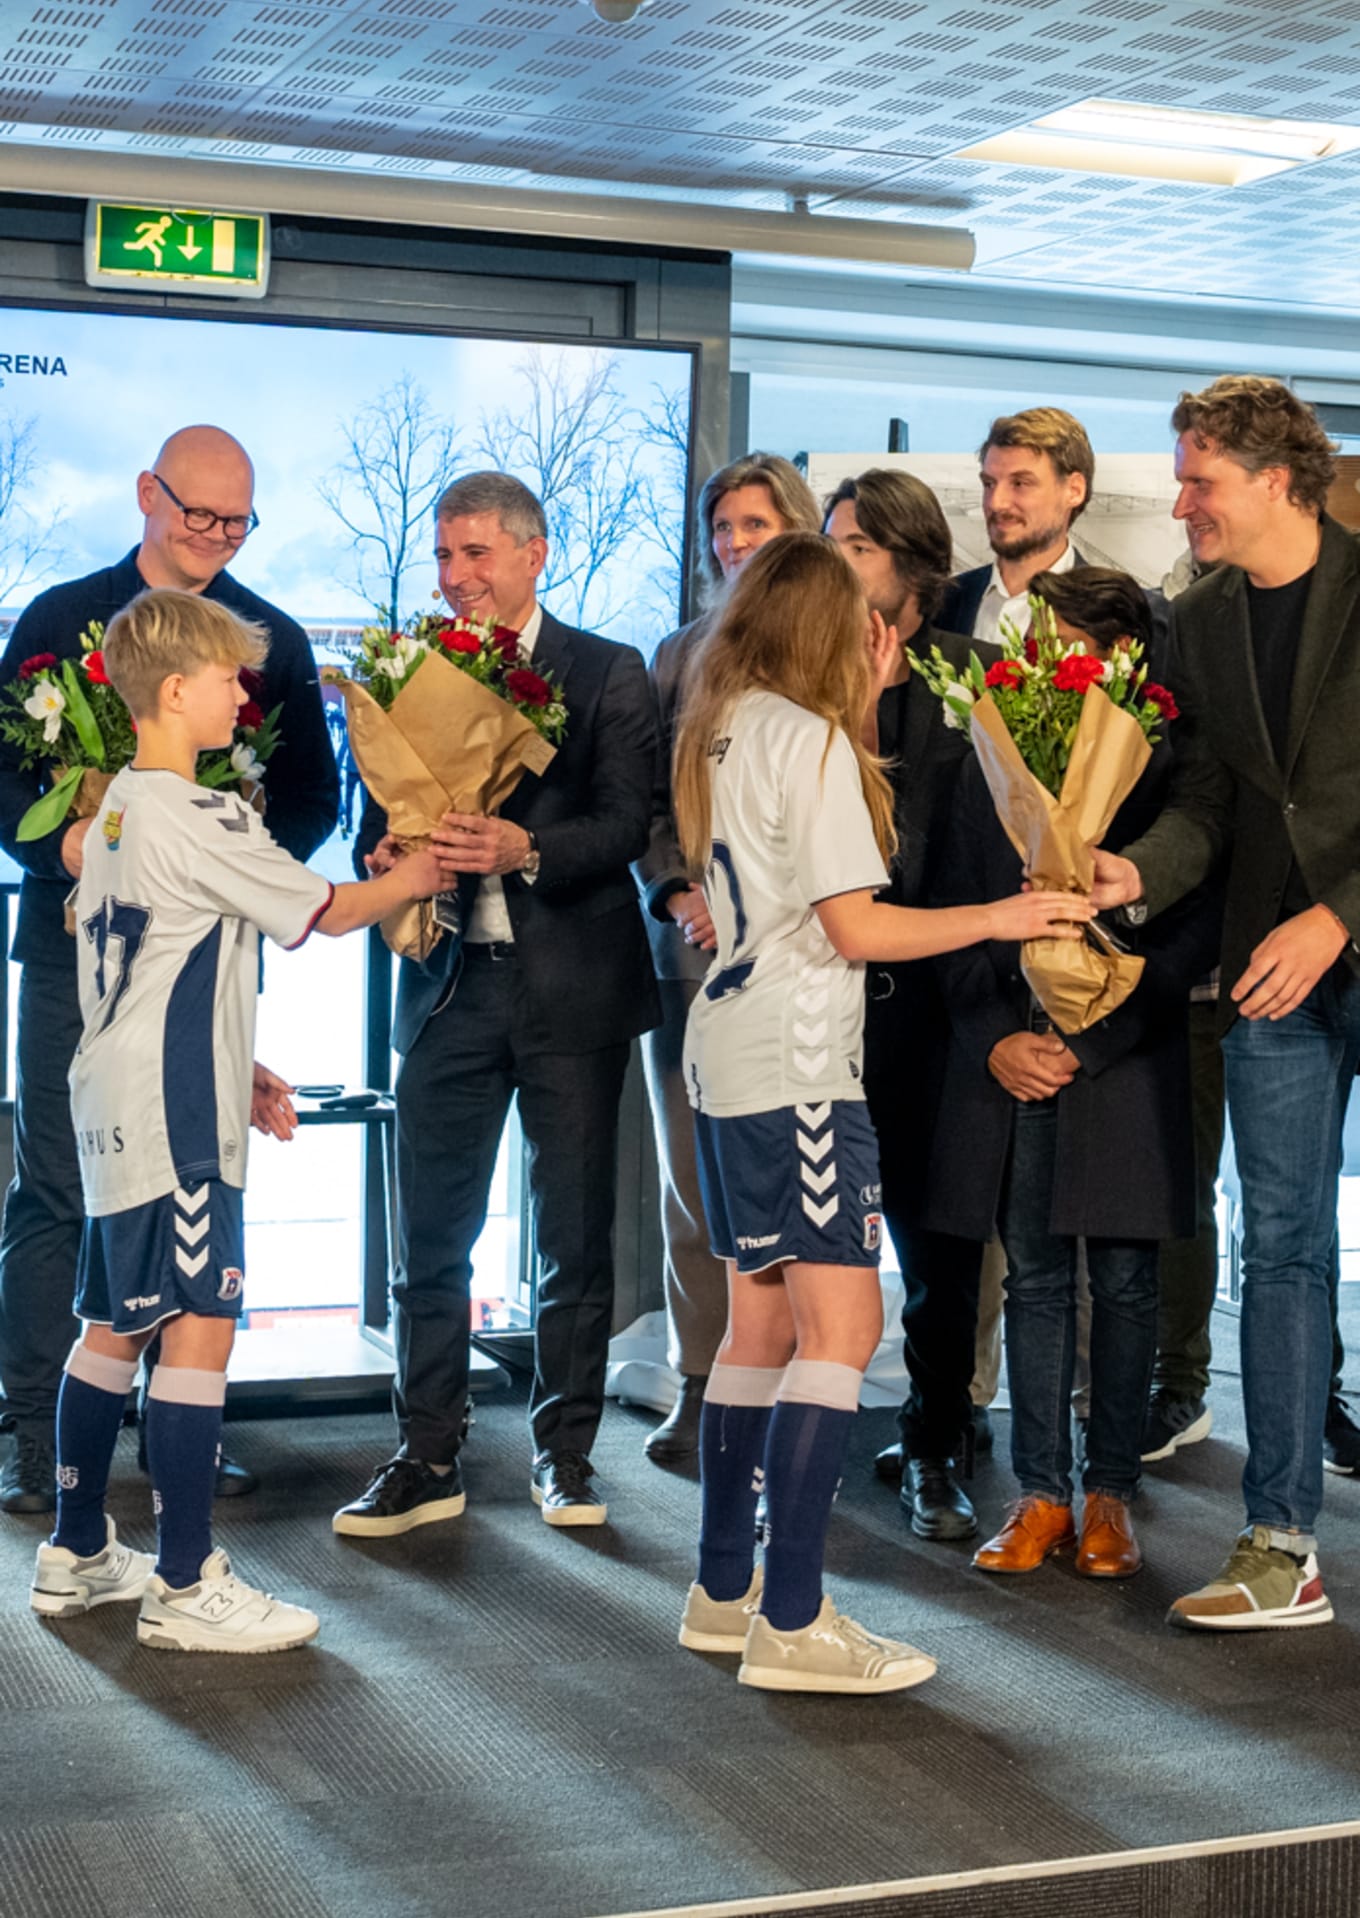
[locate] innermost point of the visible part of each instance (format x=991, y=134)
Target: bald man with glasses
x=197, y=506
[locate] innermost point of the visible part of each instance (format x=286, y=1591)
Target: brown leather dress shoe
x=1108, y=1548
x=1034, y=1530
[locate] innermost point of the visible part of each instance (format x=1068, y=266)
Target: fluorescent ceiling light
x=1166, y=143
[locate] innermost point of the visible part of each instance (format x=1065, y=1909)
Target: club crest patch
x=233, y=1279
x=873, y=1231
x=113, y=829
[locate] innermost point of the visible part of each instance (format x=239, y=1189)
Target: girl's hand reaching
x=1041, y=915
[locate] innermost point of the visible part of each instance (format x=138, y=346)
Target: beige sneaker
x=832, y=1654
x=719, y=1625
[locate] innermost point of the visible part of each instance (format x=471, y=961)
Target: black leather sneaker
x=561, y=1488
x=405, y=1493
x=29, y=1480
x=935, y=1503
x=1340, y=1439
x=1171, y=1421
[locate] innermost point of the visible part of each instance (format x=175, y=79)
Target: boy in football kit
x=790, y=816
x=178, y=883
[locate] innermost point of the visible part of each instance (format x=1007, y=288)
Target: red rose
x=1163, y=700
x=40, y=663
x=454, y=640
x=250, y=716
x=1078, y=673
x=94, y=666
x=506, y=639
x=526, y=688
x=1032, y=650
x=253, y=682
x=1006, y=672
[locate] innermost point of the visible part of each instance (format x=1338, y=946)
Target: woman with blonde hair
x=743, y=505
x=789, y=817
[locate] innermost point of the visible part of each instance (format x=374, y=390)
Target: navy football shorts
x=181, y=1253
x=798, y=1183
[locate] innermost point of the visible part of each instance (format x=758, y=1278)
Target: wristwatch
x=1135, y=913
x=533, y=859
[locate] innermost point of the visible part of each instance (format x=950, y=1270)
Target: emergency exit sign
x=206, y=252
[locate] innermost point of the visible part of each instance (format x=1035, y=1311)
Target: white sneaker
x=719, y=1625
x=64, y=1584
x=832, y=1654
x=220, y=1614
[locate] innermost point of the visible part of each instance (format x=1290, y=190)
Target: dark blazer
x=965, y=593
x=661, y=870
x=1126, y=1153
x=302, y=786
x=904, y=1017
x=578, y=931
x=1231, y=801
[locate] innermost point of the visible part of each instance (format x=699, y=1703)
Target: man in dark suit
x=891, y=529
x=196, y=501
x=539, y=997
x=1265, y=662
x=1037, y=470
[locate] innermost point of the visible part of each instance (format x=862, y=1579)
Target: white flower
x=244, y=761
x=1122, y=664
x=48, y=704
x=1107, y=672
x=405, y=652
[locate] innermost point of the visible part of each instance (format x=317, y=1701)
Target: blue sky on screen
x=286, y=392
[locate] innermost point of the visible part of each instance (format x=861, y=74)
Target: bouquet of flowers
x=445, y=715
x=1062, y=739
x=66, y=715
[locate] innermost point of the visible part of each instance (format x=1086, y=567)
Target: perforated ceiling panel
x=856, y=104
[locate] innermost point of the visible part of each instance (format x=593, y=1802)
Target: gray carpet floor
x=497, y=1722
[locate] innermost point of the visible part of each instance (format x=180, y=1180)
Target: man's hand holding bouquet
x=445, y=715
x=1062, y=738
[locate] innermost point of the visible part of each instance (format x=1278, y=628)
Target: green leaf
x=47, y=813
x=78, y=711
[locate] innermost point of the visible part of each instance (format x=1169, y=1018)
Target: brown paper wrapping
x=446, y=744
x=1076, y=982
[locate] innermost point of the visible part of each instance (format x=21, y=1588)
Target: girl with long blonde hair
x=788, y=816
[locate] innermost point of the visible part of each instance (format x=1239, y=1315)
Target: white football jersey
x=779, y=1018
x=176, y=886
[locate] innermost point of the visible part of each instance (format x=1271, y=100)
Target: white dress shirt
x=490, y=921
x=998, y=604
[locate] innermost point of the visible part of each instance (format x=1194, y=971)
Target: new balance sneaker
x=64, y=1585
x=221, y=1613
x=832, y=1654
x=1260, y=1588
x=561, y=1488
x=404, y=1493
x=1171, y=1421
x=719, y=1624
x=1340, y=1439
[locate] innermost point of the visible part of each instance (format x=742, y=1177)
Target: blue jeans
x=1288, y=1083
x=1041, y=1328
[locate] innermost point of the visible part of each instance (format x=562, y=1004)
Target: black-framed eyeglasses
x=199, y=519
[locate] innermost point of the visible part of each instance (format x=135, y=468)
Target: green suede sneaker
x=1259, y=1589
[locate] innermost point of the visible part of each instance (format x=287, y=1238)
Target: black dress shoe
x=29, y=1480
x=983, y=1436
x=935, y=1503
x=233, y=1480
x=888, y=1464
x=404, y=1493
x=676, y=1440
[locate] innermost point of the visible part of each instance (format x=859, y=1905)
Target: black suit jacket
x=964, y=594
x=1231, y=800
x=1126, y=1155
x=662, y=871
x=579, y=938
x=302, y=786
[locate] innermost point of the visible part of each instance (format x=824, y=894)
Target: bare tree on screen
x=572, y=438
x=30, y=543
x=665, y=426
x=399, y=460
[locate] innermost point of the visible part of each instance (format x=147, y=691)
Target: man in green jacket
x=1265, y=663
